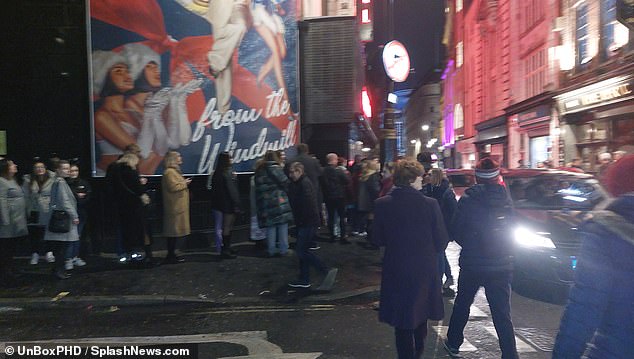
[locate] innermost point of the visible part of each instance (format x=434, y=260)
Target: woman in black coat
x=411, y=228
x=225, y=203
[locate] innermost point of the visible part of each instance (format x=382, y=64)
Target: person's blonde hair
x=406, y=172
x=129, y=159
x=436, y=175
x=171, y=160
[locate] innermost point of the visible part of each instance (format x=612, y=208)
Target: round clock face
x=396, y=61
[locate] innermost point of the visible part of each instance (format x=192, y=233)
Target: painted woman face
x=121, y=78
x=152, y=74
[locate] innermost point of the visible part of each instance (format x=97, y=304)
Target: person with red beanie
x=598, y=321
x=482, y=226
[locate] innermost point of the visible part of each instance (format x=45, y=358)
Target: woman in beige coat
x=175, y=204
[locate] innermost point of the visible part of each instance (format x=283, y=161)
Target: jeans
x=336, y=207
x=223, y=223
x=306, y=257
x=497, y=286
x=72, y=250
x=277, y=233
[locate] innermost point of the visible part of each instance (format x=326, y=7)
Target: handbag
x=60, y=219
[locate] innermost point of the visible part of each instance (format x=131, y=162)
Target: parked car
x=549, y=204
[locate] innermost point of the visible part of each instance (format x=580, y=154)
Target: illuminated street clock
x=396, y=61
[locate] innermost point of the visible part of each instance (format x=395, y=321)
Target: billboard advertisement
x=199, y=77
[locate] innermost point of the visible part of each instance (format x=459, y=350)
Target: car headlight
x=528, y=238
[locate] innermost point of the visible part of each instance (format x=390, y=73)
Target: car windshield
x=554, y=191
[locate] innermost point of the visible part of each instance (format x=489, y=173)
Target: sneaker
x=448, y=283
x=363, y=234
x=314, y=247
x=35, y=258
x=50, y=257
x=354, y=233
x=78, y=262
x=299, y=284
x=68, y=265
x=453, y=352
x=124, y=259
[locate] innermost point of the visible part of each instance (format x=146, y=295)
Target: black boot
x=171, y=252
x=226, y=248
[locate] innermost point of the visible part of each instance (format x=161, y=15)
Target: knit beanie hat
x=102, y=62
x=137, y=56
x=487, y=171
x=618, y=179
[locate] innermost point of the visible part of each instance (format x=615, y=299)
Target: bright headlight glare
x=528, y=238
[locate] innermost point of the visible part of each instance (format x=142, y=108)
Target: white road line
x=474, y=312
x=522, y=346
x=441, y=331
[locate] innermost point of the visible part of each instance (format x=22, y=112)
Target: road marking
x=263, y=309
x=256, y=342
x=441, y=331
x=522, y=346
x=474, y=312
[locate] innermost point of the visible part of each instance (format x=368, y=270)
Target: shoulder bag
x=60, y=219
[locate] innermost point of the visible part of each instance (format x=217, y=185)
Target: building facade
x=555, y=86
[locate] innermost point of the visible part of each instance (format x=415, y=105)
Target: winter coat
x=62, y=198
x=304, y=202
x=38, y=197
x=334, y=184
x=128, y=191
x=79, y=185
x=175, y=204
x=312, y=168
x=446, y=198
x=12, y=209
x=224, y=192
x=368, y=192
x=599, y=316
x=411, y=228
x=482, y=225
x=271, y=200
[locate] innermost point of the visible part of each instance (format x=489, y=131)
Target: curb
x=136, y=300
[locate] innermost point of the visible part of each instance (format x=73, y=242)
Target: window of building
x=613, y=34
x=458, y=116
x=458, y=5
x=535, y=69
x=459, y=54
x=532, y=14
x=582, y=34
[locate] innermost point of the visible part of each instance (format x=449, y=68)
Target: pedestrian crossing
x=467, y=346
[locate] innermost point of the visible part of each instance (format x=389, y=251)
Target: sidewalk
x=202, y=278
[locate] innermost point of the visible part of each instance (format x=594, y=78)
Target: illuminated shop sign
x=595, y=95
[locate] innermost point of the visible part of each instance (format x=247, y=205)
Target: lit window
x=459, y=54
x=365, y=16
x=458, y=116
x=613, y=34
x=583, y=53
x=458, y=5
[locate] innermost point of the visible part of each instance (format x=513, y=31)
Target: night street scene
x=317, y=179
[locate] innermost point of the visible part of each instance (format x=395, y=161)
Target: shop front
x=532, y=141
x=596, y=119
x=491, y=140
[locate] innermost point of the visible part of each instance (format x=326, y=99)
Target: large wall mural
x=195, y=76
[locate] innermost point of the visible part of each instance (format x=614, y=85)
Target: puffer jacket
x=482, y=225
x=598, y=321
x=271, y=199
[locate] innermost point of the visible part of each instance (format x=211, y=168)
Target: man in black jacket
x=334, y=183
x=306, y=214
x=482, y=226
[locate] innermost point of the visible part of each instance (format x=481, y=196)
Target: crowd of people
x=409, y=208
